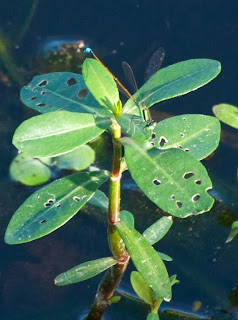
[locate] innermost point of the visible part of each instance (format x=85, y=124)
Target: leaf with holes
x=61, y=90
x=78, y=159
x=233, y=232
x=141, y=288
x=146, y=261
x=101, y=83
x=175, y=181
x=29, y=171
x=227, y=114
x=158, y=230
x=100, y=200
x=52, y=206
x=84, y=271
x=175, y=80
x=55, y=133
x=194, y=133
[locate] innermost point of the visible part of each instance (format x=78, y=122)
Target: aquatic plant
x=228, y=114
x=163, y=159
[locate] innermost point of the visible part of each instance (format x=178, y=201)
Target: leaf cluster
x=163, y=159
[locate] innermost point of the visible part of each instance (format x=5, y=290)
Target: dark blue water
x=131, y=31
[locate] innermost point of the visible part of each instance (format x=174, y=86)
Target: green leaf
x=152, y=316
x=78, y=159
x=29, y=171
x=101, y=83
x=84, y=271
x=52, y=206
x=127, y=218
x=194, y=133
x=146, y=261
x=61, y=90
x=141, y=288
x=172, y=179
x=114, y=299
x=158, y=230
x=227, y=114
x=173, y=280
x=100, y=200
x=134, y=126
x=175, y=80
x=58, y=132
x=164, y=256
x=233, y=232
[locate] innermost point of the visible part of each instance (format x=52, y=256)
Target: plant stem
x=113, y=275
x=105, y=290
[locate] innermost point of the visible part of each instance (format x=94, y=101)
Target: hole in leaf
x=71, y=82
x=173, y=197
x=184, y=118
x=153, y=144
x=49, y=203
x=153, y=136
x=179, y=204
x=156, y=182
x=43, y=93
x=83, y=93
x=84, y=197
x=182, y=135
x=43, y=221
x=207, y=129
x=42, y=83
x=208, y=189
x=196, y=197
x=75, y=198
x=41, y=104
x=32, y=98
x=198, y=181
x=180, y=147
x=58, y=205
x=162, y=141
x=187, y=150
x=188, y=175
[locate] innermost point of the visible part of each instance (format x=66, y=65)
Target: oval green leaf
x=84, y=271
x=173, y=279
x=29, y=171
x=100, y=200
x=58, y=132
x=164, y=256
x=52, y=206
x=61, y=90
x=127, y=218
x=101, y=83
x=158, y=230
x=194, y=133
x=227, y=113
x=175, y=80
x=175, y=181
x=233, y=232
x=141, y=288
x=78, y=159
x=146, y=261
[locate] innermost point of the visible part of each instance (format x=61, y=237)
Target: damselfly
x=153, y=66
